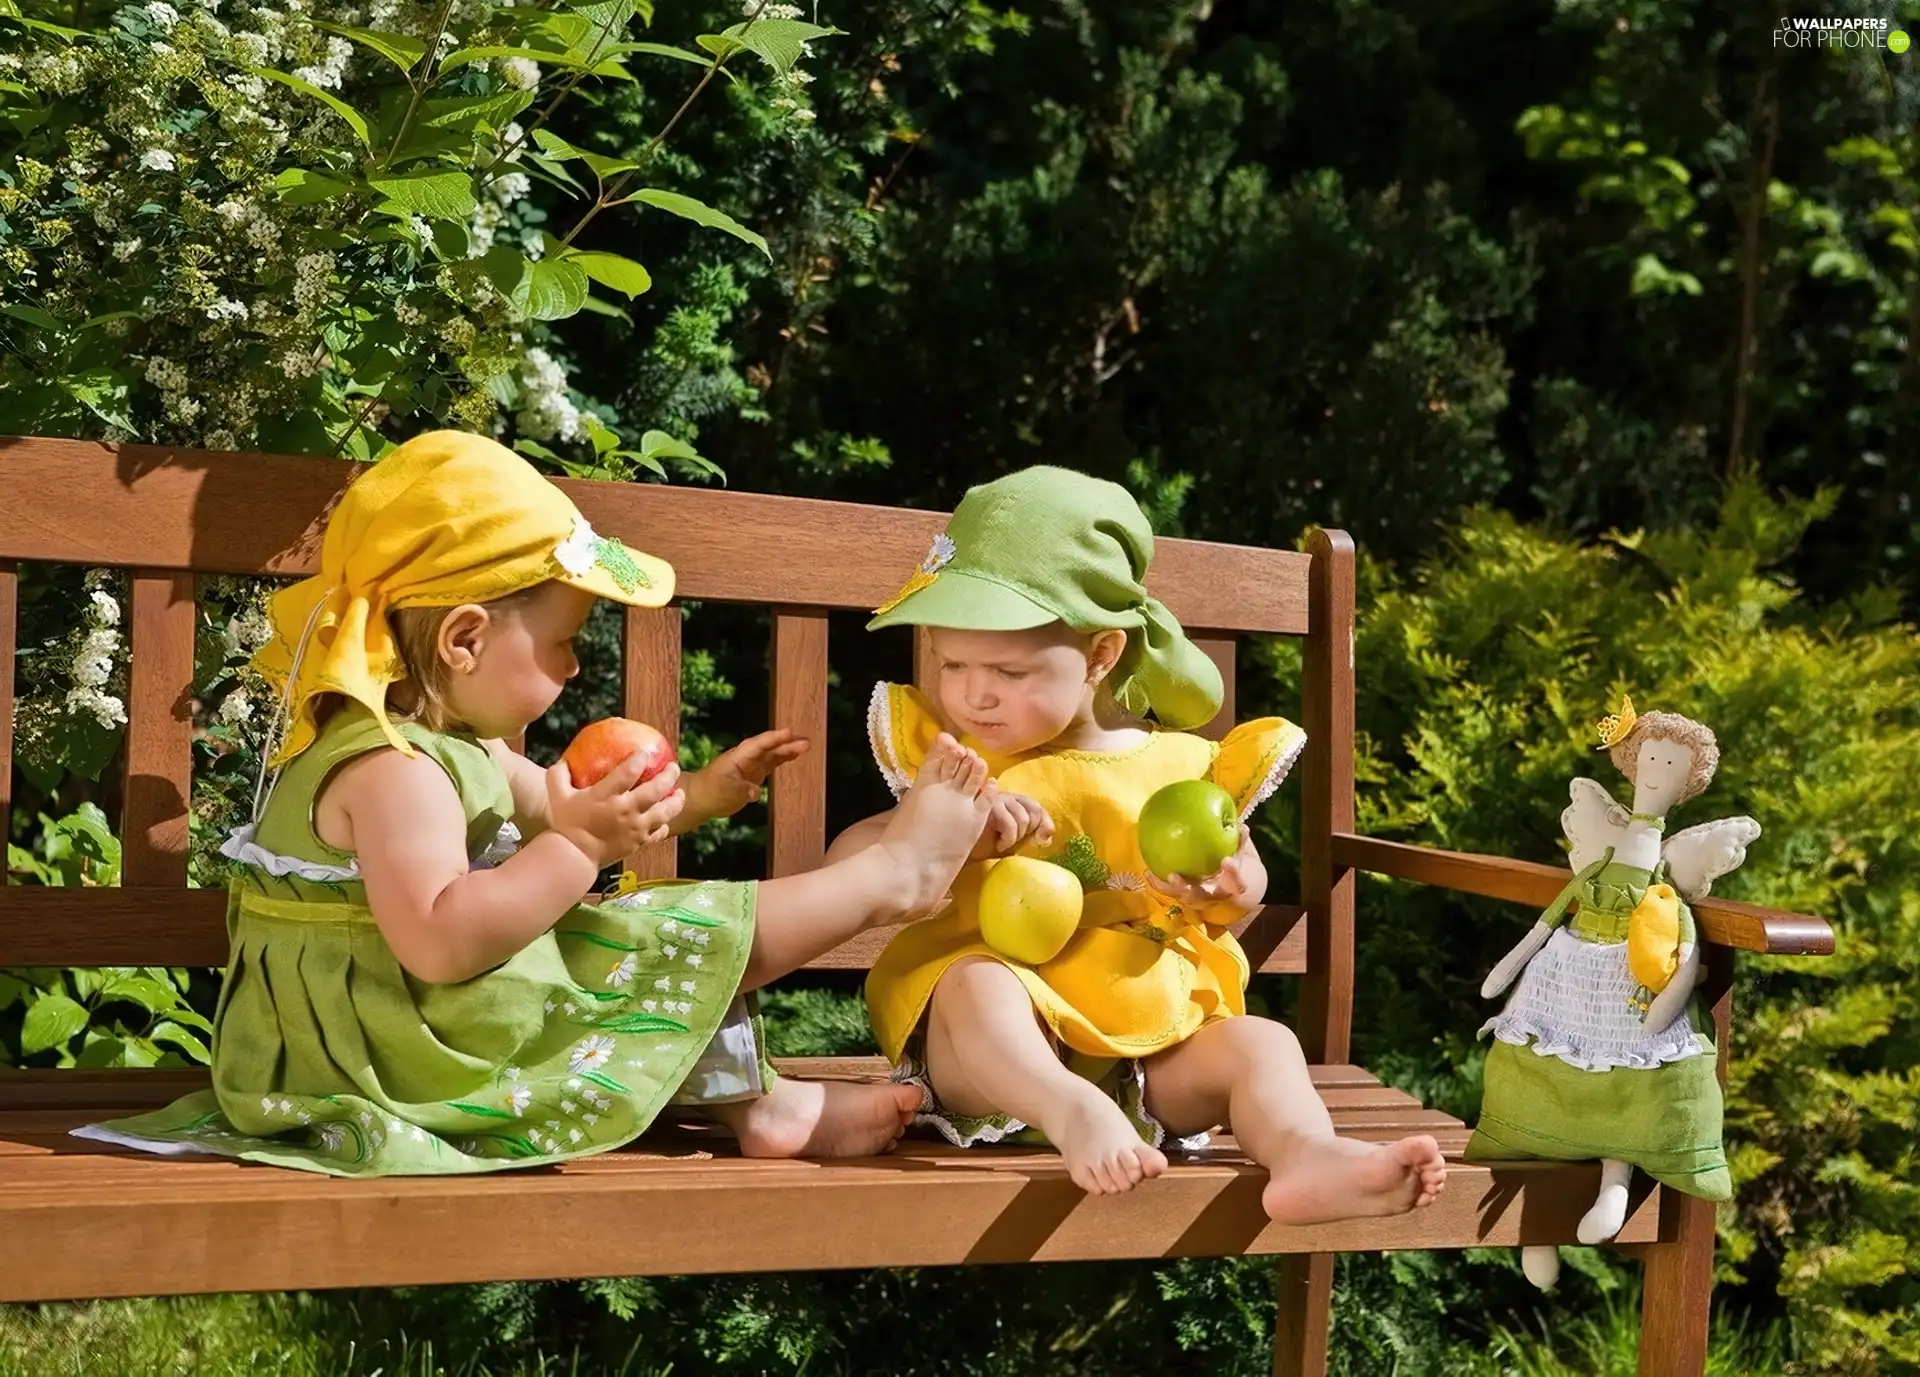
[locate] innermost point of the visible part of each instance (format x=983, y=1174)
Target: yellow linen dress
x=1141, y=974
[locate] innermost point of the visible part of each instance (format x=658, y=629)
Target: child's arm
x=446, y=923
x=529, y=785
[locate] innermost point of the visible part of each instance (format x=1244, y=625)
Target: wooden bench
x=105, y=1223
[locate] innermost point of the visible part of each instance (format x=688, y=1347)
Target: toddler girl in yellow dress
x=1050, y=655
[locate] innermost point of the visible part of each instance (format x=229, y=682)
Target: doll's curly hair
x=1684, y=731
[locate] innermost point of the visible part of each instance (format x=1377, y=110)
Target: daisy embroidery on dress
x=622, y=974
x=939, y=555
x=592, y=1053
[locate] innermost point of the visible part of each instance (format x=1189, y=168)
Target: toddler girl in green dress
x=416, y=983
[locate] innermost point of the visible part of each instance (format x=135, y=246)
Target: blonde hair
x=1683, y=731
x=416, y=630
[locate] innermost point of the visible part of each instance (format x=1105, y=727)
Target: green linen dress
x=1575, y=1073
x=329, y=1057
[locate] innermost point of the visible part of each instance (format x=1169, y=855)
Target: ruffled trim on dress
x=1677, y=1043
x=880, y=738
x=1276, y=774
x=240, y=846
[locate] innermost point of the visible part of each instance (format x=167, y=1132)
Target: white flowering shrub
x=302, y=228
x=299, y=227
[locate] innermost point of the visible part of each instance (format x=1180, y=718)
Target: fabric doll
x=1594, y=1055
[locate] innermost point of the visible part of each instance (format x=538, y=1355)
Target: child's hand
x=1234, y=883
x=735, y=778
x=613, y=818
x=1011, y=820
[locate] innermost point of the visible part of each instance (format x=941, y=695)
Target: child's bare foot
x=1103, y=1151
x=821, y=1119
x=1336, y=1178
x=936, y=824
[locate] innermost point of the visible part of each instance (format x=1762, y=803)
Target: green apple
x=1189, y=829
x=1029, y=908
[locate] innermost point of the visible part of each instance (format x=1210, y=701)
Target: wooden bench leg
x=1677, y=1290
x=1676, y=1297
x=1305, y=1320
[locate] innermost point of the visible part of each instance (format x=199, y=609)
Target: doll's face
x=1014, y=690
x=1660, y=774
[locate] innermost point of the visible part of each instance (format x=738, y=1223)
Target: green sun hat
x=1051, y=545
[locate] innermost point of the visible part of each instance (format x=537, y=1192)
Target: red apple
x=600, y=746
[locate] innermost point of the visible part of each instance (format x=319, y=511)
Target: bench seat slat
x=221, y=1227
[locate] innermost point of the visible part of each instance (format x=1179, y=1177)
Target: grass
x=228, y=1336
x=1605, y=1342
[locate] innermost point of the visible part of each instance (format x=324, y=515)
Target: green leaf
x=436, y=195
x=603, y=166
x=402, y=50
x=467, y=113
x=480, y=1110
x=103, y=392
x=355, y=120
x=553, y=290
x=533, y=449
x=150, y=995
x=553, y=170
x=659, y=50
x=33, y=315
x=464, y=57
x=182, y=1014
x=657, y=444
x=698, y=212
x=780, y=42
x=51, y=1021
x=605, y=308
x=185, y=1041
x=302, y=186
x=611, y=270
x=605, y=1082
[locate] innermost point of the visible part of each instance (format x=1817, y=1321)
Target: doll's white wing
x=1700, y=855
x=1592, y=822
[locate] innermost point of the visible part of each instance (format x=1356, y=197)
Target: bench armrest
x=1725, y=921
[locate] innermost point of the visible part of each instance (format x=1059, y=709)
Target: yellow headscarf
x=445, y=519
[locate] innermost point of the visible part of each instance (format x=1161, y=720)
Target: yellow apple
x=1029, y=908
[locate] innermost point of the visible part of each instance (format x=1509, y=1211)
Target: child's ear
x=1105, y=653
x=463, y=634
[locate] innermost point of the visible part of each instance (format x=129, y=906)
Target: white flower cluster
x=171, y=379
x=522, y=73
x=546, y=412
x=93, y=664
x=311, y=275
x=792, y=85
x=329, y=73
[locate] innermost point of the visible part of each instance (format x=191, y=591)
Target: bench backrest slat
x=183, y=510
x=798, y=837
x=650, y=693
x=9, y=637
x=159, y=787
x=168, y=514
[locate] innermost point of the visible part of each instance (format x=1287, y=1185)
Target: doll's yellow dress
x=1141, y=975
